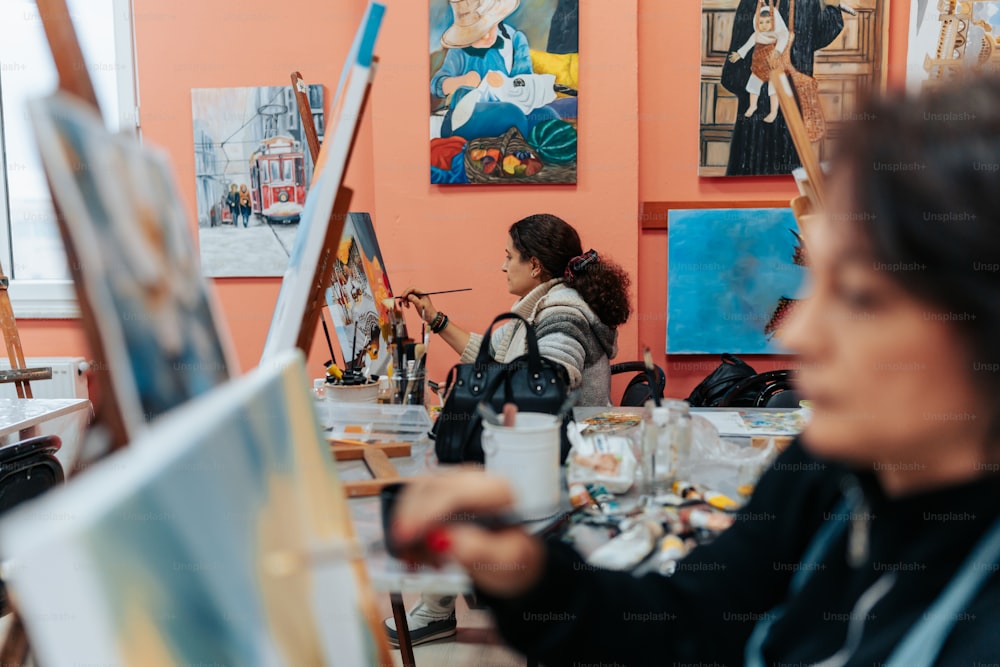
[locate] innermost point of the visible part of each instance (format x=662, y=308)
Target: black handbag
x=531, y=382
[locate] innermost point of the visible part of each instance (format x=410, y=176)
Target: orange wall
x=635, y=146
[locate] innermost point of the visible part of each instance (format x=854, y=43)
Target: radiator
x=69, y=378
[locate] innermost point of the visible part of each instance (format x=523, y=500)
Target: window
x=31, y=248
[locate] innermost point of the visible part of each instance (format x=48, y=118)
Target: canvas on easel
x=356, y=295
x=310, y=265
x=149, y=315
x=222, y=536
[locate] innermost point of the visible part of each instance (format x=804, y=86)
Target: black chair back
x=28, y=469
x=638, y=390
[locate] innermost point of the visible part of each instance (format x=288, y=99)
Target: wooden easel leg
x=402, y=630
x=15, y=646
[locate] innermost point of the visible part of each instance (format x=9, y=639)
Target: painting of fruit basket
x=503, y=91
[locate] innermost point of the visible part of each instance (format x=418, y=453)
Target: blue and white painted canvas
x=195, y=545
x=732, y=275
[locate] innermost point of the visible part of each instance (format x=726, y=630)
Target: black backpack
x=735, y=383
x=714, y=388
x=772, y=389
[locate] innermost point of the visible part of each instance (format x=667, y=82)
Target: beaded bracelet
x=438, y=325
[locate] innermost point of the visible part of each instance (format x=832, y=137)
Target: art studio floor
x=476, y=643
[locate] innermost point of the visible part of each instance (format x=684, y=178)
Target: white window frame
x=56, y=299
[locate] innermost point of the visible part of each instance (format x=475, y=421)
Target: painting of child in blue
x=502, y=111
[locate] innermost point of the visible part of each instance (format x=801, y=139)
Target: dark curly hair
x=925, y=176
x=603, y=284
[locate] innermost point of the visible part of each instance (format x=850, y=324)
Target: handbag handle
x=534, y=356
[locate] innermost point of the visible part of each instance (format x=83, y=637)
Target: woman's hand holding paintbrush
x=438, y=323
x=448, y=516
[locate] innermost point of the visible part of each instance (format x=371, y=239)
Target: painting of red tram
x=278, y=180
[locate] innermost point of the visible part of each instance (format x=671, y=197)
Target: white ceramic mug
x=527, y=456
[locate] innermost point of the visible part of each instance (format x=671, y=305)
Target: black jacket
x=706, y=611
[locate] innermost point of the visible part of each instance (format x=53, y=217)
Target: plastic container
x=400, y=422
x=666, y=442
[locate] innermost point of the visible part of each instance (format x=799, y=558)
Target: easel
x=813, y=200
x=376, y=456
x=19, y=373
x=73, y=78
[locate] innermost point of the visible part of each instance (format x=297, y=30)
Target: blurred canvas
x=164, y=554
x=149, y=315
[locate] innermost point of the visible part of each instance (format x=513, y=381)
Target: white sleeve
x=782, y=31
x=745, y=49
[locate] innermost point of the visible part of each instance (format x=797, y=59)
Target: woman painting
x=576, y=301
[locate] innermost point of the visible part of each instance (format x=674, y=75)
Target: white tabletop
x=18, y=414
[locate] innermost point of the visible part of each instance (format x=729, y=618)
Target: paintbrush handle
x=447, y=291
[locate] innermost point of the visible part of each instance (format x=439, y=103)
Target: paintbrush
x=647, y=357
x=446, y=291
x=509, y=415
x=488, y=413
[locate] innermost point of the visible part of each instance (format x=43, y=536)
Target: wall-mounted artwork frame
x=838, y=53
x=504, y=88
x=732, y=276
x=252, y=172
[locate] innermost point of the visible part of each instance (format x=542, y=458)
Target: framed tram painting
x=504, y=85
x=839, y=56
x=253, y=170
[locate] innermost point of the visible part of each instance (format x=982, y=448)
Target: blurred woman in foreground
x=875, y=537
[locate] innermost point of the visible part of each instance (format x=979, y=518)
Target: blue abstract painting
x=732, y=275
